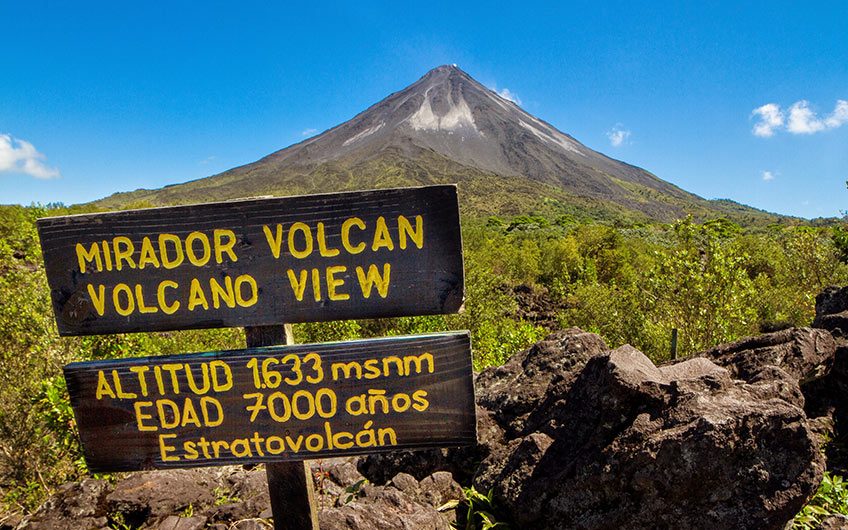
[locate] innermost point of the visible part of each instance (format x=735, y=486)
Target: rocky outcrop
x=508, y=397
x=623, y=443
x=573, y=435
x=826, y=398
x=805, y=355
x=232, y=498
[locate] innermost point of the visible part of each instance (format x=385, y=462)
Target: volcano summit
x=448, y=128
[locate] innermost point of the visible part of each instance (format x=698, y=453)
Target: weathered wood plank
x=281, y=403
x=256, y=262
x=290, y=485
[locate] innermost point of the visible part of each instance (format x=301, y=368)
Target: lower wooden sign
x=277, y=403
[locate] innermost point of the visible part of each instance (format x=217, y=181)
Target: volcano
x=448, y=128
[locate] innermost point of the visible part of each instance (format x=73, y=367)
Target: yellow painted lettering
x=204, y=246
x=405, y=230
x=141, y=416
x=178, y=259
x=196, y=296
x=334, y=283
x=127, y=309
x=322, y=244
x=275, y=241
x=160, y=297
x=298, y=285
x=98, y=298
x=382, y=237
x=124, y=249
x=103, y=388
x=368, y=281
x=107, y=254
x=119, y=391
x=147, y=255
x=307, y=237
x=222, y=248
x=207, y=402
x=316, y=284
x=165, y=449
x=346, y=226
x=139, y=297
x=253, y=289
x=142, y=381
x=168, y=420
x=190, y=414
x=92, y=254
x=224, y=292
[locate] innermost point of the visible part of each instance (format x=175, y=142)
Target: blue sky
x=746, y=102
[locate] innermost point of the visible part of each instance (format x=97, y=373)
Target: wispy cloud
x=801, y=119
x=618, y=135
x=506, y=93
x=207, y=160
x=768, y=176
x=771, y=118
x=309, y=132
x=20, y=156
x=510, y=95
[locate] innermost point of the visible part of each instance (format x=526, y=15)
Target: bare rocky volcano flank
x=446, y=127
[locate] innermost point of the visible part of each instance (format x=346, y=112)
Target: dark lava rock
x=404, y=503
x=832, y=310
x=573, y=435
x=805, y=354
x=834, y=522
x=156, y=494
x=508, y=397
x=79, y=505
x=826, y=398
x=233, y=498
x=173, y=522
x=630, y=445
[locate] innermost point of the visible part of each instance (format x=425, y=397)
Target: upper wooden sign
x=383, y=253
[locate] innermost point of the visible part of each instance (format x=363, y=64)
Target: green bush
x=830, y=499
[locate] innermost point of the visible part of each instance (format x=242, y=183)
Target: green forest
x=714, y=282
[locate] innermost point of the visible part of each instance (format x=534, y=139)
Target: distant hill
x=448, y=128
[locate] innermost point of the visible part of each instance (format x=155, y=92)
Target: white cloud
x=839, y=116
x=802, y=118
x=618, y=135
x=511, y=96
x=207, y=160
x=770, y=119
x=20, y=156
x=309, y=132
x=768, y=176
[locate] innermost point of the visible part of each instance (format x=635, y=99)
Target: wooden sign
x=256, y=262
x=279, y=403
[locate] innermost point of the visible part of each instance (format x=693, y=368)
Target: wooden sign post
x=289, y=483
x=256, y=264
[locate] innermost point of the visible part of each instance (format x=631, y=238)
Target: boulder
x=153, y=495
x=832, y=310
x=404, y=503
x=508, y=397
x=611, y=441
x=805, y=354
x=78, y=505
x=826, y=398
